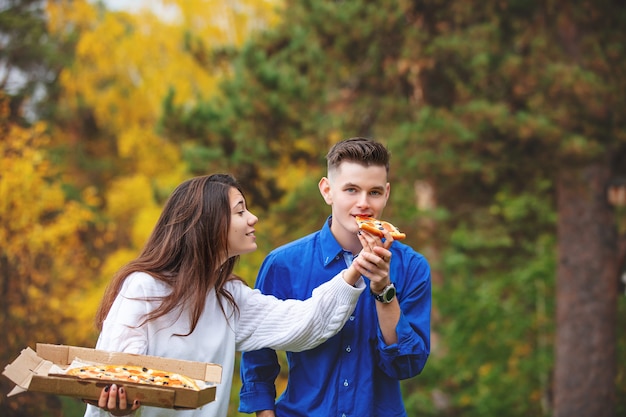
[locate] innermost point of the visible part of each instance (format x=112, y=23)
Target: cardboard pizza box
x=30, y=372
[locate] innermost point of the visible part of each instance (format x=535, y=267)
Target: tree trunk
x=586, y=295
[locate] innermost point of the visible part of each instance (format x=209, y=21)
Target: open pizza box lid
x=34, y=371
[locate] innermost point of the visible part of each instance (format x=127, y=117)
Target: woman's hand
x=113, y=400
x=373, y=261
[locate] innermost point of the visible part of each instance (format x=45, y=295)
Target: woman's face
x=241, y=238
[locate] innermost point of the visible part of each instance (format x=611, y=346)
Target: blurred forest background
x=507, y=124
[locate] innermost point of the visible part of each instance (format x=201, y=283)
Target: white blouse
x=263, y=321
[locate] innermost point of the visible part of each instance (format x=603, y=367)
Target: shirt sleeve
x=408, y=356
x=295, y=325
x=260, y=368
x=120, y=330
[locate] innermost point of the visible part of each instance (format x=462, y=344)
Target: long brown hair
x=185, y=249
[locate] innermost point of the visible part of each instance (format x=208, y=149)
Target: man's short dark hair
x=364, y=151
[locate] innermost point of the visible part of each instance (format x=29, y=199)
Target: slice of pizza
x=134, y=374
x=375, y=227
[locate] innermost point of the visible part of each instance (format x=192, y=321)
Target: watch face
x=389, y=294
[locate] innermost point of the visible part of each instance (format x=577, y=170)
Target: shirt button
x=352, y=318
x=345, y=383
x=348, y=349
x=344, y=415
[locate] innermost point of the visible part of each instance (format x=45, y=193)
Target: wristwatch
x=388, y=294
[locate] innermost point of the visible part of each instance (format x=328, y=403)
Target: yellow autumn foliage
x=125, y=65
x=127, y=195
x=43, y=251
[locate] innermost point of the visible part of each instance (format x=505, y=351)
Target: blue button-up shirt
x=354, y=373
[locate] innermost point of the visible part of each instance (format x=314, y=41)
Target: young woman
x=180, y=299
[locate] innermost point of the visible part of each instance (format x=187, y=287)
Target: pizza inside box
x=44, y=371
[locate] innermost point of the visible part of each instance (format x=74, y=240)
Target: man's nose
x=363, y=200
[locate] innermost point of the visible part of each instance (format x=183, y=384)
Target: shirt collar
x=331, y=249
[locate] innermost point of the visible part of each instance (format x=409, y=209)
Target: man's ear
x=387, y=194
x=324, y=186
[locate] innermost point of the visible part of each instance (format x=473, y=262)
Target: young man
x=357, y=372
